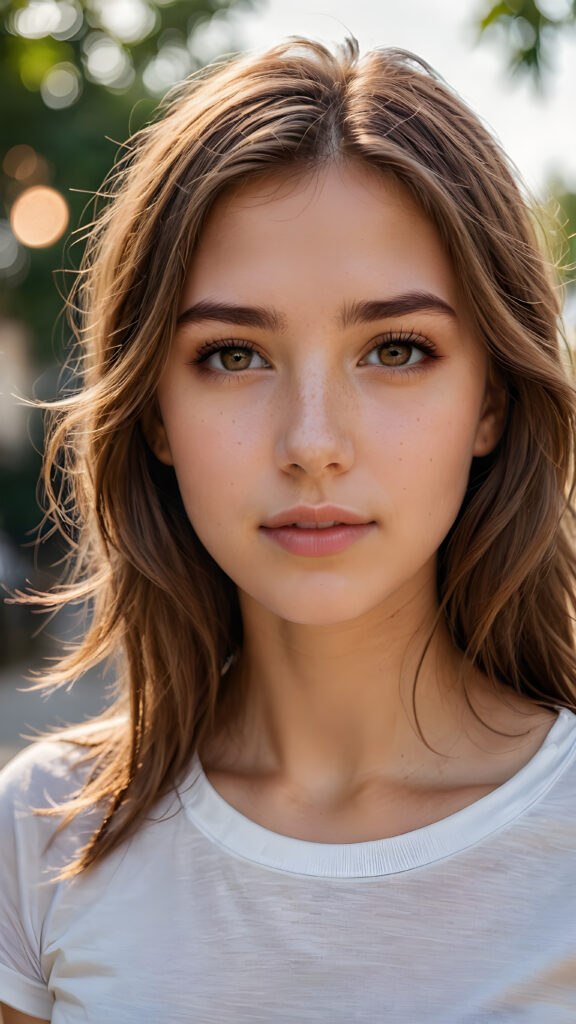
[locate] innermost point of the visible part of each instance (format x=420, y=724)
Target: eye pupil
x=395, y=354
x=235, y=358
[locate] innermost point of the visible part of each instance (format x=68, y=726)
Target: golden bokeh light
x=20, y=162
x=39, y=217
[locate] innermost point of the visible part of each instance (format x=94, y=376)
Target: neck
x=330, y=706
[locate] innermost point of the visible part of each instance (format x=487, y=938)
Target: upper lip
x=315, y=514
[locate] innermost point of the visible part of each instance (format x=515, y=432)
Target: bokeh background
x=77, y=77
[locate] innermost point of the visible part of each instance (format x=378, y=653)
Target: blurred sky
x=537, y=131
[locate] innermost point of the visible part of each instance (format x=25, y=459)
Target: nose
x=314, y=435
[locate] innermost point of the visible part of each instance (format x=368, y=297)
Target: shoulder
x=41, y=773
x=41, y=778
x=49, y=771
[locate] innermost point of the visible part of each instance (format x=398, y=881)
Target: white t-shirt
x=205, y=917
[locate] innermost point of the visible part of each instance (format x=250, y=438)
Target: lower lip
x=315, y=543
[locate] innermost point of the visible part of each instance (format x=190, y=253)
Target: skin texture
x=322, y=415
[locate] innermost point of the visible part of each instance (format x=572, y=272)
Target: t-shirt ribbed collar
x=242, y=837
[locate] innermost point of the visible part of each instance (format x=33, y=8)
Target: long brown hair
x=158, y=602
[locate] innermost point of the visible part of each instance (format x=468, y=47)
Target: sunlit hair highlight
x=159, y=604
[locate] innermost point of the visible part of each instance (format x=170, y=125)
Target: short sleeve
x=27, y=890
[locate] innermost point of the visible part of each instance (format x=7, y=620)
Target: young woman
x=317, y=482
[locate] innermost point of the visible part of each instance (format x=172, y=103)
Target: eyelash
x=388, y=338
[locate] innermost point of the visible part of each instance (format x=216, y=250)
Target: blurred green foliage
x=530, y=29
x=567, y=202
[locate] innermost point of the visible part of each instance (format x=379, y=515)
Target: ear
x=493, y=417
x=155, y=434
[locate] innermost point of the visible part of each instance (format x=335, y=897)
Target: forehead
x=333, y=231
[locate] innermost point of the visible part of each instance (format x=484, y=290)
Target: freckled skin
x=317, y=427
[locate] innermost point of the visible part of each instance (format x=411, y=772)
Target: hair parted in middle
x=506, y=575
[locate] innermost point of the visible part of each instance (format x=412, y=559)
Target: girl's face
x=351, y=376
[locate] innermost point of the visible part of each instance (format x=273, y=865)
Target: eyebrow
x=349, y=315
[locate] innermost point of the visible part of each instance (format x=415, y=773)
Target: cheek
x=213, y=453
x=424, y=455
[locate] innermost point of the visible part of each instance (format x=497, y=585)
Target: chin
x=316, y=608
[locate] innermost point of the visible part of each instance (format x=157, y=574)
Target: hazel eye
x=395, y=353
x=233, y=357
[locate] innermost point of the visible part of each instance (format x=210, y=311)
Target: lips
x=313, y=517
x=320, y=539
